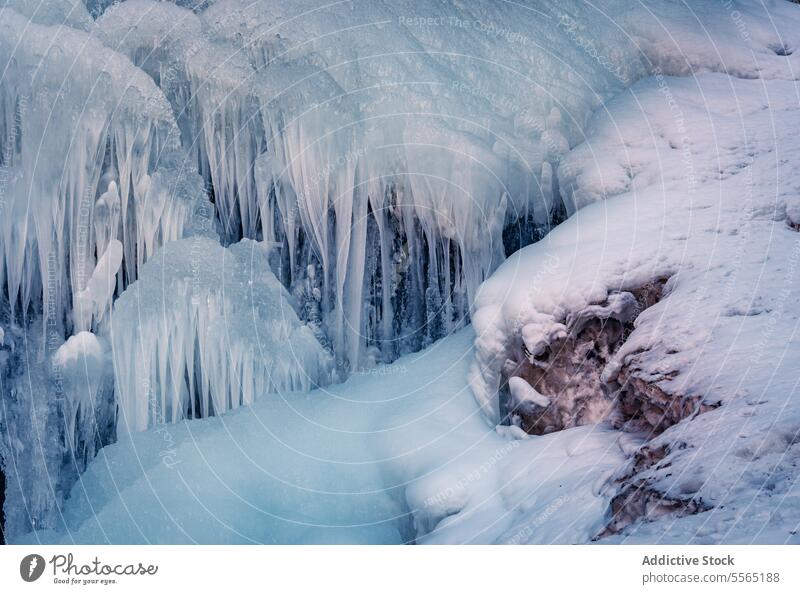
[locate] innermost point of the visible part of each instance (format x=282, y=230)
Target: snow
x=366, y=461
x=523, y=392
x=709, y=186
x=207, y=329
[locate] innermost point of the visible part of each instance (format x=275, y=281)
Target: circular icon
x=31, y=567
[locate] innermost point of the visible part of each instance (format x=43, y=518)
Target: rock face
x=636, y=499
x=575, y=379
x=646, y=406
x=580, y=377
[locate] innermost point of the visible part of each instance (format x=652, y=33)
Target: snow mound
x=710, y=182
x=207, y=329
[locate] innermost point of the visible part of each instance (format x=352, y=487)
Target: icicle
x=219, y=330
x=116, y=126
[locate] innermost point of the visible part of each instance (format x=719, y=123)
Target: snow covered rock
x=707, y=368
x=207, y=329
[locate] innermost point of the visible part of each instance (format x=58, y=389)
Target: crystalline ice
x=207, y=329
x=399, y=192
x=83, y=371
x=112, y=131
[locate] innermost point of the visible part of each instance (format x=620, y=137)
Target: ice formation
x=366, y=150
x=400, y=150
x=82, y=369
x=93, y=179
x=369, y=165
x=72, y=13
x=207, y=329
x=69, y=144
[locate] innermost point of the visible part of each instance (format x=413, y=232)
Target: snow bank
x=207, y=329
x=710, y=182
x=398, y=455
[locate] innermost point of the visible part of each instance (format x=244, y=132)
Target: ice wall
x=72, y=13
x=399, y=151
x=93, y=179
x=386, y=146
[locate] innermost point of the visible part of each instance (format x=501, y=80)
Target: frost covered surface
x=207, y=329
x=711, y=173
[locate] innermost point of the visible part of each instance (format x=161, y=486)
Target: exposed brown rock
x=647, y=407
x=638, y=501
x=568, y=373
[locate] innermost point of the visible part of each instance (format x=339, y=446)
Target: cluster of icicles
x=381, y=224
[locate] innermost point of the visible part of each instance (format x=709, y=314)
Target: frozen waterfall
x=208, y=202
